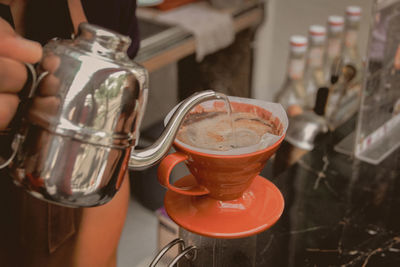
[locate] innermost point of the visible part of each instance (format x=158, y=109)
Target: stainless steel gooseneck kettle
x=81, y=121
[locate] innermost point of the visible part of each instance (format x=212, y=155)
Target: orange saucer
x=258, y=209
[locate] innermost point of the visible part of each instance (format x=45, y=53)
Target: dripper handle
x=164, y=172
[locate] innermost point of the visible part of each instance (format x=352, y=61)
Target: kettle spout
x=144, y=158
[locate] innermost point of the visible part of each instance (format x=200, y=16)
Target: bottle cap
x=353, y=13
x=317, y=33
x=298, y=43
x=335, y=23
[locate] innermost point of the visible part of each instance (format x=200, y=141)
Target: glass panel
x=378, y=127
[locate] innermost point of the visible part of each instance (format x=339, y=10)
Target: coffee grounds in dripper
x=214, y=131
x=269, y=114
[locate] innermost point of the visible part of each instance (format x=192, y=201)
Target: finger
x=49, y=86
x=13, y=75
x=50, y=63
x=20, y=49
x=43, y=108
x=8, y=107
x=14, y=46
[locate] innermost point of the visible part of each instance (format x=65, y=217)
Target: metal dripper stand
x=202, y=251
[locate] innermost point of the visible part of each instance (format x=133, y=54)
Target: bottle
x=314, y=72
x=292, y=94
x=333, y=47
x=350, y=54
x=345, y=95
x=342, y=102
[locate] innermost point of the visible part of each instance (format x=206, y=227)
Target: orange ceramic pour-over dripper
x=223, y=197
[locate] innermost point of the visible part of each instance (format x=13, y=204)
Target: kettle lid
x=103, y=37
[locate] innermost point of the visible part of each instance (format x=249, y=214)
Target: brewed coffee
x=218, y=131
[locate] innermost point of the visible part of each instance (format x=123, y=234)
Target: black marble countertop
x=339, y=211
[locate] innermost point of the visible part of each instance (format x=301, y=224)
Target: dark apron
x=34, y=232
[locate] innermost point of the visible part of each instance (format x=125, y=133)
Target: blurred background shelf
x=163, y=44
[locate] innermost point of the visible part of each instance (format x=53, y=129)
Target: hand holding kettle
x=14, y=52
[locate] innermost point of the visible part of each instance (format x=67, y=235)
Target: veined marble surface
x=338, y=211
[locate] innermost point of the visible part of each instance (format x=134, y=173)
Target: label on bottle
x=351, y=38
x=334, y=46
x=296, y=68
x=315, y=57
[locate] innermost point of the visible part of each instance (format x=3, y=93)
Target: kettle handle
x=27, y=92
x=14, y=146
